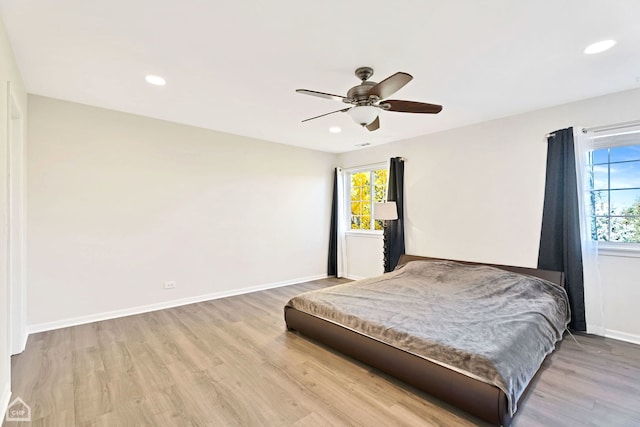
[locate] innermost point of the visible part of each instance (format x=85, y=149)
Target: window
x=615, y=192
x=365, y=188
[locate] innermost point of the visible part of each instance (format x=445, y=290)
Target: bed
x=445, y=327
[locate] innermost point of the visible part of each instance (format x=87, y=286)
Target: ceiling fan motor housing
x=359, y=95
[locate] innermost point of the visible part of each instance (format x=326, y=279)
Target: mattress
x=492, y=325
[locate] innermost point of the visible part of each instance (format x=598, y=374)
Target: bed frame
x=480, y=399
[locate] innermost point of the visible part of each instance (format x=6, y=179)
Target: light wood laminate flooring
x=231, y=362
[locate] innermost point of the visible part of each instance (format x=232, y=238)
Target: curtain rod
x=603, y=128
x=612, y=126
x=369, y=166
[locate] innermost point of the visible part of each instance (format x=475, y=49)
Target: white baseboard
x=4, y=401
x=354, y=277
x=622, y=336
x=22, y=343
x=59, y=324
x=596, y=330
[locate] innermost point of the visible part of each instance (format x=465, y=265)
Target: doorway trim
x=16, y=230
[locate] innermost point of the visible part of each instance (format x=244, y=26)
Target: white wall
x=476, y=193
x=119, y=204
x=364, y=255
x=621, y=297
x=8, y=75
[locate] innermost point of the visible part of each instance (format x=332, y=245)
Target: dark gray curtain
x=332, y=266
x=394, y=231
x=560, y=245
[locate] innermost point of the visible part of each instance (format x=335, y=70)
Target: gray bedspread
x=492, y=325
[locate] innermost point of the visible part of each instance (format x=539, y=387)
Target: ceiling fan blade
x=412, y=107
x=326, y=114
x=374, y=125
x=390, y=85
x=321, y=95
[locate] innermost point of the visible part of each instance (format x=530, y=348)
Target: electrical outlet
x=169, y=285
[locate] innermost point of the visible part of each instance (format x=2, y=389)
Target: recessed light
x=155, y=80
x=335, y=129
x=600, y=46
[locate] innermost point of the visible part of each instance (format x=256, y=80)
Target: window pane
x=365, y=193
x=355, y=193
x=355, y=222
x=602, y=229
x=366, y=208
x=379, y=225
x=380, y=176
x=356, y=208
x=366, y=222
x=624, y=202
x=600, y=156
x=360, y=179
x=600, y=177
x=625, y=175
x=625, y=229
x=600, y=202
x=380, y=193
x=380, y=185
x=621, y=154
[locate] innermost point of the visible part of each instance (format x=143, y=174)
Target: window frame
x=613, y=139
x=347, y=198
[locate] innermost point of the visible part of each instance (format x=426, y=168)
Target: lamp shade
x=363, y=114
x=385, y=211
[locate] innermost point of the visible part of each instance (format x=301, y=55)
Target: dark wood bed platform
x=478, y=398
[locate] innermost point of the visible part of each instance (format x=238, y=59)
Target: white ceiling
x=233, y=66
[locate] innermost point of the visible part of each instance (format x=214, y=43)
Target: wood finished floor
x=230, y=362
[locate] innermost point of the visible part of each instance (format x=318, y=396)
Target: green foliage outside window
x=367, y=187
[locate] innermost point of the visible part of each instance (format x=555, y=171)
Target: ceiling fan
x=368, y=98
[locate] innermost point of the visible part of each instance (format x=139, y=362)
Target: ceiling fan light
x=363, y=114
